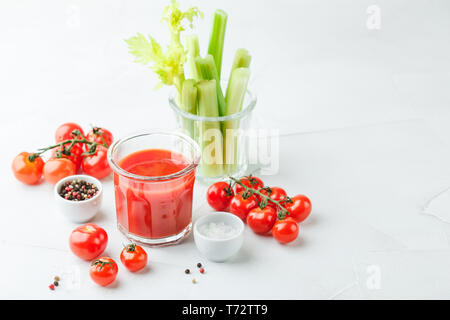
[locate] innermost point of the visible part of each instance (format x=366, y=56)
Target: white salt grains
x=219, y=230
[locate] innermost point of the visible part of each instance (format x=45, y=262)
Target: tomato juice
x=154, y=199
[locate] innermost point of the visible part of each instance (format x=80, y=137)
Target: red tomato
x=251, y=182
x=96, y=134
x=96, y=165
x=300, y=208
x=262, y=220
x=88, y=241
x=64, y=131
x=27, y=171
x=285, y=231
x=241, y=207
x=103, y=271
x=57, y=168
x=276, y=194
x=219, y=195
x=133, y=257
x=75, y=154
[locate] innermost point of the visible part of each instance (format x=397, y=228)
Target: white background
x=364, y=116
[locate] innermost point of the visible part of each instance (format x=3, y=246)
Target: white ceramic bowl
x=79, y=211
x=219, y=250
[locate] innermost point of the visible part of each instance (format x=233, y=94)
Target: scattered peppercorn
x=56, y=278
x=78, y=190
x=187, y=271
x=52, y=287
x=56, y=283
x=202, y=270
x=199, y=265
x=193, y=280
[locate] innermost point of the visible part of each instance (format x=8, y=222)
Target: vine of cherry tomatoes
x=89, y=241
x=72, y=152
x=264, y=208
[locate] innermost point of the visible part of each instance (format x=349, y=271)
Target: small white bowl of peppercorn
x=78, y=197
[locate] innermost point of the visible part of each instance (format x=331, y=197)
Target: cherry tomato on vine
x=251, y=182
x=88, y=241
x=57, y=168
x=276, y=194
x=27, y=171
x=64, y=131
x=219, y=195
x=300, y=208
x=133, y=257
x=96, y=135
x=261, y=220
x=241, y=207
x=286, y=230
x=75, y=154
x=103, y=271
x=96, y=165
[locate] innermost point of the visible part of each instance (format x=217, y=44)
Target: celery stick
x=217, y=37
x=237, y=87
x=193, y=51
x=208, y=71
x=192, y=45
x=189, y=104
x=241, y=59
x=210, y=135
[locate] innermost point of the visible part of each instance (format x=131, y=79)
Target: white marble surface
x=364, y=117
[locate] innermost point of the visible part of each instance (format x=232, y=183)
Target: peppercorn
x=56, y=283
x=52, y=286
x=187, y=271
x=56, y=278
x=78, y=190
x=193, y=280
x=202, y=270
x=199, y=265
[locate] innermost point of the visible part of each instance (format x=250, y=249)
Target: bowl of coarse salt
x=219, y=235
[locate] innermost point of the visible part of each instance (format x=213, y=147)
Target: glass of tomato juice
x=154, y=175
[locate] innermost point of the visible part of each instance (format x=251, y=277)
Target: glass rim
x=246, y=110
x=117, y=169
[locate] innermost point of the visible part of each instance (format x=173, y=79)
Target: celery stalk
x=208, y=71
x=210, y=135
x=241, y=59
x=189, y=104
x=193, y=51
x=237, y=87
x=217, y=37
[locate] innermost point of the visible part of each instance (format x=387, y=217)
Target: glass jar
x=222, y=140
x=151, y=208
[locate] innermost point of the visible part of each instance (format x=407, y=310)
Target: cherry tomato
x=300, y=208
x=96, y=135
x=27, y=171
x=219, y=195
x=276, y=194
x=251, y=182
x=88, y=241
x=75, y=154
x=241, y=207
x=103, y=271
x=96, y=165
x=64, y=131
x=285, y=231
x=133, y=257
x=57, y=168
x=261, y=220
